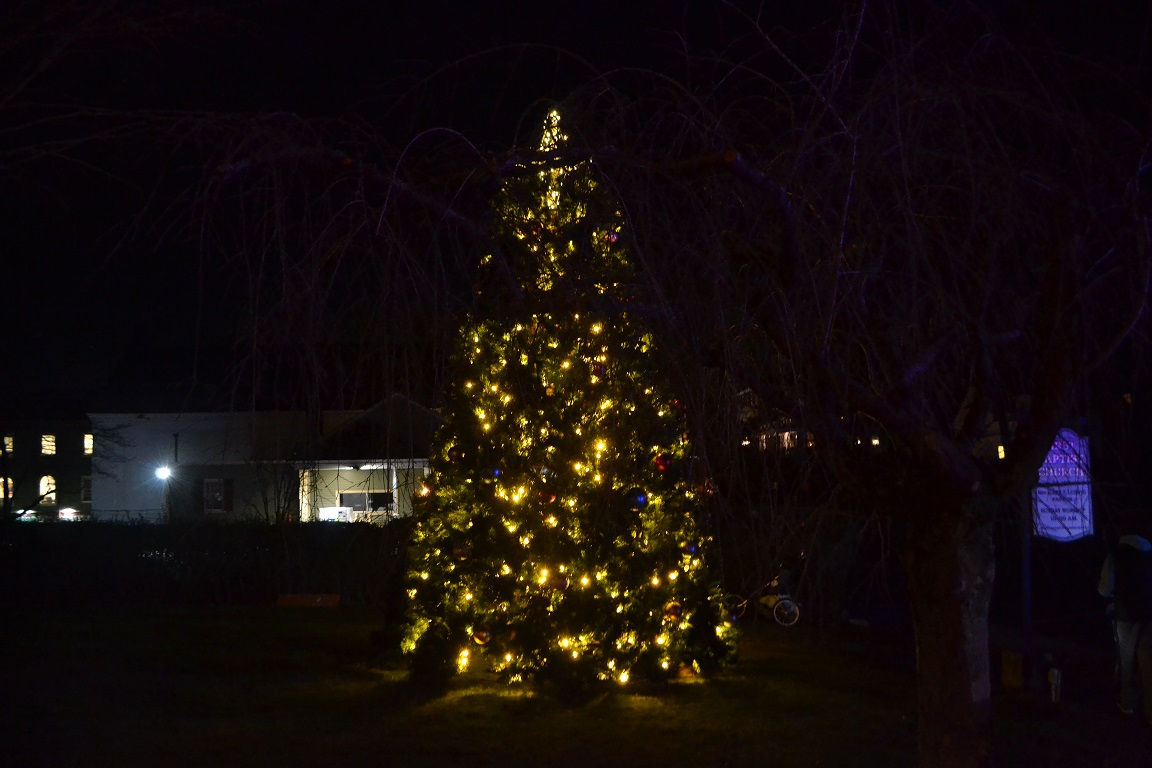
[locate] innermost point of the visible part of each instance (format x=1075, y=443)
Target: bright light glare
x=163, y=473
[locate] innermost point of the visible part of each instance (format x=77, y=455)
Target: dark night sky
x=76, y=247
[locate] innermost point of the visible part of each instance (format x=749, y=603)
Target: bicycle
x=770, y=600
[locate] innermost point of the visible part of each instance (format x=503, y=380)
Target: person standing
x=1126, y=577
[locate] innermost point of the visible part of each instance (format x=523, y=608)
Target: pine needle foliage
x=559, y=536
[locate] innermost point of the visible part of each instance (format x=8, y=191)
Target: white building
x=272, y=466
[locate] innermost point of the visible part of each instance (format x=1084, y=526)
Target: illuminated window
x=48, y=491
x=6, y=486
x=86, y=489
x=87, y=445
x=217, y=495
x=8, y=443
x=48, y=445
x=368, y=501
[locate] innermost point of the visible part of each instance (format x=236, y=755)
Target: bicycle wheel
x=786, y=612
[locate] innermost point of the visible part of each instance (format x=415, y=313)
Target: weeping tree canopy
x=919, y=251
x=922, y=256
x=931, y=245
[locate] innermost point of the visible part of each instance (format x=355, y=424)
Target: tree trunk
x=950, y=570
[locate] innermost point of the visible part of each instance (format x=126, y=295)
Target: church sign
x=1062, y=499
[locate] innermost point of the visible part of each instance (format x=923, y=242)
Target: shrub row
x=76, y=564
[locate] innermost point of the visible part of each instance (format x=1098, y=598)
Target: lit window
x=86, y=489
x=6, y=485
x=8, y=443
x=217, y=494
x=48, y=491
x=213, y=495
x=48, y=445
x=87, y=445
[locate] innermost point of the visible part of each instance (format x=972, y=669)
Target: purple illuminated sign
x=1062, y=499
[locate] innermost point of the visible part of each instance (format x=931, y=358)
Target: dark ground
x=306, y=687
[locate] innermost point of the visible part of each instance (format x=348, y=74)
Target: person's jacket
x=1133, y=585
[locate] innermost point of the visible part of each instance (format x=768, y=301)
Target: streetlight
x=164, y=474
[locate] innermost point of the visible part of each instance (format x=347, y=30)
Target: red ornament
x=663, y=462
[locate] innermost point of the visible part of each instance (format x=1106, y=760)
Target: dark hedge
x=87, y=563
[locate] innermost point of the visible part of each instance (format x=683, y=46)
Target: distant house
x=46, y=468
x=271, y=466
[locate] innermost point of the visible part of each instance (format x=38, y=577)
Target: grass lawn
x=300, y=687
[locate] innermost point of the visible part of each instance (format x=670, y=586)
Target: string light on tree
x=553, y=539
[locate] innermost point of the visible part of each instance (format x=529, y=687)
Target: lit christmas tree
x=557, y=537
